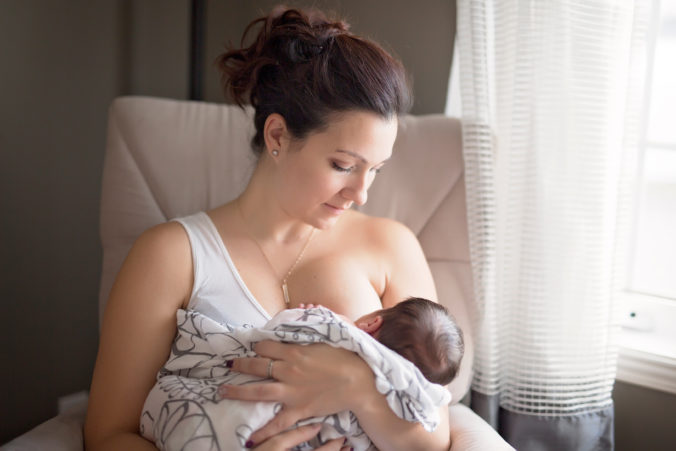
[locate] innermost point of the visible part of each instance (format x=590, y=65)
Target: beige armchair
x=168, y=158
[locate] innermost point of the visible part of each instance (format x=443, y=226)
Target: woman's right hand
x=287, y=440
x=310, y=381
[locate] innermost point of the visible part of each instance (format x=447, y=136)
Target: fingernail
x=222, y=390
x=228, y=363
x=248, y=444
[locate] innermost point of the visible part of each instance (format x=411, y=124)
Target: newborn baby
x=183, y=408
x=421, y=331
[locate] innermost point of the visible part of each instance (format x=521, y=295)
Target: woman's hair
x=423, y=332
x=306, y=67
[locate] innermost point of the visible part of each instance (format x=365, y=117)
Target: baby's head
x=423, y=332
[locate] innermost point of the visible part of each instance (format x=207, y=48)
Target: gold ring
x=270, y=369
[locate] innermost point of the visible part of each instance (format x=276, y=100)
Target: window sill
x=647, y=355
x=647, y=370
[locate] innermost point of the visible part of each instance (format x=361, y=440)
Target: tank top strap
x=218, y=290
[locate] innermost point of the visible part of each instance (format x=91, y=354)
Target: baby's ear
x=370, y=324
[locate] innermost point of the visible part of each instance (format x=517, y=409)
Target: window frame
x=647, y=346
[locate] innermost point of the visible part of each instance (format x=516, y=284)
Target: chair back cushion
x=168, y=158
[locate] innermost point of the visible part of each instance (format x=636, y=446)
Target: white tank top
x=218, y=290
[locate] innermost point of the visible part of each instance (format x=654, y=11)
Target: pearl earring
x=275, y=152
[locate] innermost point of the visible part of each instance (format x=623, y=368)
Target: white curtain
x=550, y=93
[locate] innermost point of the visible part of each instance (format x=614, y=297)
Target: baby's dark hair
x=306, y=67
x=425, y=333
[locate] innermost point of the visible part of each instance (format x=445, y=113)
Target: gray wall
x=58, y=71
x=644, y=419
x=61, y=63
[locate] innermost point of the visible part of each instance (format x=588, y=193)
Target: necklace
x=285, y=288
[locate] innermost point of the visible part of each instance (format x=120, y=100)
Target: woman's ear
x=370, y=324
x=275, y=134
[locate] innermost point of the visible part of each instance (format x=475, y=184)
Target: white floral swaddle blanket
x=183, y=410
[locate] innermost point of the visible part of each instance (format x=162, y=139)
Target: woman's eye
x=340, y=168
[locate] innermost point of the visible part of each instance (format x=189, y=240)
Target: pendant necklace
x=285, y=288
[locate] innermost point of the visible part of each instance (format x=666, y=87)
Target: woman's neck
x=263, y=215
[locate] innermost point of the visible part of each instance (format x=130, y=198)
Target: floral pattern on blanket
x=183, y=410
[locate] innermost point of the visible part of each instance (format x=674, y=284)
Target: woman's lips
x=335, y=210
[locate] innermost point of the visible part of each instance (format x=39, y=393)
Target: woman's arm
x=138, y=327
x=389, y=432
x=408, y=274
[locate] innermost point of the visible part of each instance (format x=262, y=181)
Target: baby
x=425, y=349
x=419, y=330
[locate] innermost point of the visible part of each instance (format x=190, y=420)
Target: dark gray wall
x=644, y=419
x=58, y=72
x=156, y=37
x=61, y=64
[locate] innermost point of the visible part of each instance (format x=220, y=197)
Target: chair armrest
x=60, y=433
x=469, y=432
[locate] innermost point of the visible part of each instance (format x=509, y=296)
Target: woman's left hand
x=311, y=381
x=290, y=439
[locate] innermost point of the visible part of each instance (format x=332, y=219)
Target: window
x=648, y=339
x=648, y=355
x=654, y=262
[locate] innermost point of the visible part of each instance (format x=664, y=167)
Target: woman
x=326, y=105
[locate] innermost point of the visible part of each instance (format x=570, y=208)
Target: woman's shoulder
x=164, y=254
x=399, y=257
x=378, y=230
x=164, y=245
x=376, y=223
x=167, y=235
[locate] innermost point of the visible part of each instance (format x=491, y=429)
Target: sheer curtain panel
x=550, y=111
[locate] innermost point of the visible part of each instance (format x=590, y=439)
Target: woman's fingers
x=268, y=351
x=282, y=421
x=316, y=379
x=334, y=445
x=258, y=366
x=276, y=350
x=269, y=391
x=288, y=439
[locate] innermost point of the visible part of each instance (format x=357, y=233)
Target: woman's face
x=327, y=172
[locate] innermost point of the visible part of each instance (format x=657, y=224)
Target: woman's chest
x=340, y=269
x=347, y=284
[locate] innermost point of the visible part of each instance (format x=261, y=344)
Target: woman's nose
x=357, y=192
x=360, y=197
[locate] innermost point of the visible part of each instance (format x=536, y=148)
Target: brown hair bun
x=305, y=67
